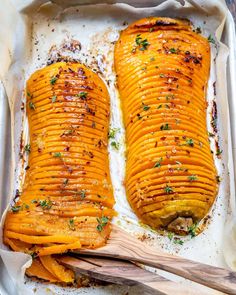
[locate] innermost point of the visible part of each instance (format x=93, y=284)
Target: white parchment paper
x=33, y=31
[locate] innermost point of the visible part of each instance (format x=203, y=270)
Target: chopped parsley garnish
x=192, y=230
x=27, y=148
x=15, y=208
x=168, y=189
x=54, y=98
x=102, y=222
x=82, y=95
x=160, y=106
x=158, y=163
x=82, y=193
x=112, y=132
x=178, y=241
x=29, y=95
x=53, y=80
x=170, y=235
x=71, y=224
x=190, y=142
x=145, y=107
x=57, y=155
x=45, y=204
x=219, y=152
x=211, y=39
x=173, y=50
x=142, y=43
x=192, y=177
x=31, y=105
x=162, y=75
x=152, y=58
x=115, y=145
x=165, y=127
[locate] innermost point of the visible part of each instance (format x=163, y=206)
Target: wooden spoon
x=126, y=273
x=123, y=246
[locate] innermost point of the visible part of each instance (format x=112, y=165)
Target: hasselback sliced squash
x=162, y=69
x=67, y=198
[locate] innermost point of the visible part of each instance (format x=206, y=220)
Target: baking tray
x=16, y=24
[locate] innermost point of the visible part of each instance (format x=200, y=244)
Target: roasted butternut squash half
x=67, y=198
x=162, y=69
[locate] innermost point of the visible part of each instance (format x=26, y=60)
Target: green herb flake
x=112, y=132
x=142, y=43
x=178, y=241
x=170, y=236
x=15, y=208
x=82, y=193
x=82, y=95
x=102, y=222
x=219, y=152
x=165, y=127
x=29, y=94
x=71, y=224
x=173, y=50
x=115, y=145
x=57, y=155
x=190, y=142
x=53, y=80
x=27, y=148
x=162, y=75
x=158, y=163
x=192, y=178
x=54, y=98
x=168, y=189
x=192, y=230
x=151, y=30
x=152, y=58
x=145, y=107
x=159, y=107
x=45, y=204
x=31, y=105
x=211, y=39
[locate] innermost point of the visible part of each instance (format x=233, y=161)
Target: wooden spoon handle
x=126, y=273
x=123, y=246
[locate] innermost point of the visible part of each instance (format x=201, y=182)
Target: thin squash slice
x=67, y=197
x=162, y=69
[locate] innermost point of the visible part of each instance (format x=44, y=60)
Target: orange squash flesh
x=67, y=198
x=162, y=69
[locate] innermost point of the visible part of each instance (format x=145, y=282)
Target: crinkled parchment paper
x=31, y=33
